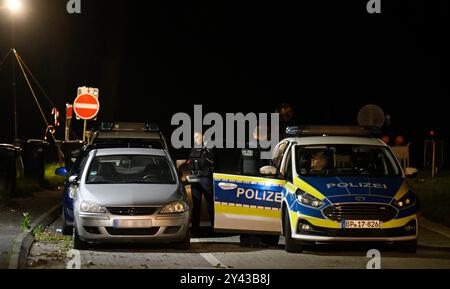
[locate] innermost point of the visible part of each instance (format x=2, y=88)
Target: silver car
x=130, y=195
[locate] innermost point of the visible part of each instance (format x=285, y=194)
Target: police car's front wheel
x=291, y=245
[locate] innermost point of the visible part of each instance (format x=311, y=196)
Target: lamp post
x=14, y=6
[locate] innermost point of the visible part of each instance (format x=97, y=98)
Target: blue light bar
x=152, y=126
x=106, y=126
x=331, y=131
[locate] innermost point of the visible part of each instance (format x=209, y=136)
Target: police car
x=129, y=132
x=326, y=185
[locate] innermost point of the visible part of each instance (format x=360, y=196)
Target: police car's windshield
x=346, y=160
x=130, y=169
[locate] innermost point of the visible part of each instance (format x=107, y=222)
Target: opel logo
x=360, y=199
x=131, y=212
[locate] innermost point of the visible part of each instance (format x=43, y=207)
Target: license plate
x=361, y=224
x=132, y=223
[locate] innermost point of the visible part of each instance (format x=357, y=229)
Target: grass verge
x=25, y=187
x=434, y=195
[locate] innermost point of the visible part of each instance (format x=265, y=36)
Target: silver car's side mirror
x=268, y=171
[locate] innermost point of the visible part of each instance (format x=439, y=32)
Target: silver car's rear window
x=130, y=169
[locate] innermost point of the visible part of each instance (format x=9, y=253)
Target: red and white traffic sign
x=69, y=111
x=86, y=106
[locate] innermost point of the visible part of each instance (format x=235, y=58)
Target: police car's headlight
x=174, y=208
x=91, y=207
x=407, y=200
x=308, y=200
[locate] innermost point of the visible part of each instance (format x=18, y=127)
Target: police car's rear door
x=247, y=204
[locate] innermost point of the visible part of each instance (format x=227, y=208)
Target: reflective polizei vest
x=201, y=162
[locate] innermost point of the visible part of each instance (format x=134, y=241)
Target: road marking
x=231, y=240
x=213, y=260
x=210, y=258
x=434, y=227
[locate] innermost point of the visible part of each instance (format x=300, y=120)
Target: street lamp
x=14, y=5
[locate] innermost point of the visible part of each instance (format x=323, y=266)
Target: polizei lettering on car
x=357, y=185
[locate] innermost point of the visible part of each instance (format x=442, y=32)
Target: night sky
x=151, y=59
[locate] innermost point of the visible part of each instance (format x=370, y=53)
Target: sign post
x=86, y=106
x=434, y=156
x=69, y=115
x=433, y=162
x=84, y=130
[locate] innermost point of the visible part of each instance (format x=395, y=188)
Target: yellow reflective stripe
x=404, y=188
x=293, y=217
x=290, y=187
x=299, y=183
x=249, y=179
x=246, y=211
x=398, y=222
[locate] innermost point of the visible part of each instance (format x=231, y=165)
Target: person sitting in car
x=319, y=162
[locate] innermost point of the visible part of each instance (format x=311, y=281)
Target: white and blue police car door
x=247, y=204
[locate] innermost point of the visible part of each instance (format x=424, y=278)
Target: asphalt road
x=222, y=251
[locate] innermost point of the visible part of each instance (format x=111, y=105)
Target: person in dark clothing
x=251, y=162
x=250, y=165
x=201, y=165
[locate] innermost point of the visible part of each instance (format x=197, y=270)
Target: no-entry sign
x=86, y=106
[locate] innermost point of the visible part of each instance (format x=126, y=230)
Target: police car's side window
x=279, y=153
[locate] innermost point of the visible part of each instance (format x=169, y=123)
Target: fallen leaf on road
x=39, y=262
x=219, y=266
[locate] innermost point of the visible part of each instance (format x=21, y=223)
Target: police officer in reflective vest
x=201, y=164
